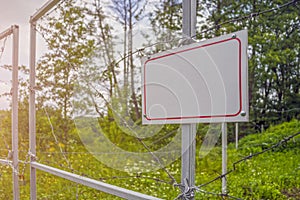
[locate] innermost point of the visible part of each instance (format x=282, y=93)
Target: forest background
x=92, y=67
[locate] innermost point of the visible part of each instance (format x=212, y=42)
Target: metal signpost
x=236, y=135
x=203, y=82
x=14, y=30
x=224, y=157
x=188, y=131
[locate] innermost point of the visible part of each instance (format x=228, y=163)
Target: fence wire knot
x=188, y=192
x=32, y=156
x=140, y=52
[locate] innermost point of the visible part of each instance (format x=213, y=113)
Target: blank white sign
x=199, y=83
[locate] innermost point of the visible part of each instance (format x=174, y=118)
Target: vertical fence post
x=188, y=153
x=32, y=110
x=188, y=147
x=236, y=135
x=15, y=137
x=32, y=117
x=224, y=157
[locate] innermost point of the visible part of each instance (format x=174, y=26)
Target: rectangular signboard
x=198, y=83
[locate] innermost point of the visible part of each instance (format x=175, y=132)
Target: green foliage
x=272, y=175
x=69, y=48
x=78, y=34
x=267, y=176
x=273, y=51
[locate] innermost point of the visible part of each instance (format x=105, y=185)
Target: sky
x=16, y=12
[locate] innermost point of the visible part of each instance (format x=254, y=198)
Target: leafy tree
x=69, y=47
x=166, y=22
x=273, y=50
x=102, y=33
x=273, y=56
x=128, y=13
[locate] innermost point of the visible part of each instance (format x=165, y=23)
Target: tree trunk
x=125, y=70
x=134, y=99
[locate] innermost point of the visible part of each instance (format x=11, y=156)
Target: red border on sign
x=200, y=116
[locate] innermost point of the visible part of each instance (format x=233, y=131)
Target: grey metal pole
x=5, y=162
x=188, y=145
x=5, y=33
x=224, y=156
x=188, y=130
x=14, y=30
x=189, y=18
x=105, y=187
x=43, y=10
x=15, y=139
x=32, y=114
x=236, y=135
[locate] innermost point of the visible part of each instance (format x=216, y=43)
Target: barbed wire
x=138, y=176
x=280, y=143
x=189, y=191
x=21, y=173
x=156, y=158
x=248, y=16
x=277, y=111
x=194, y=188
x=69, y=166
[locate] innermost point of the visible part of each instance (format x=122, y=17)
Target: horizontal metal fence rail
x=5, y=162
x=98, y=185
x=6, y=33
x=104, y=187
x=43, y=10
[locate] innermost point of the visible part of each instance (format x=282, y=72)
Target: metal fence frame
x=34, y=165
x=14, y=163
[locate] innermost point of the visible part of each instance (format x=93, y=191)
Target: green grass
x=272, y=175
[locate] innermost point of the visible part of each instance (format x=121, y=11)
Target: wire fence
x=189, y=191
